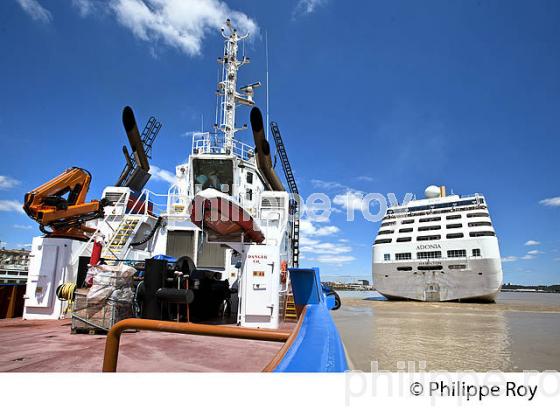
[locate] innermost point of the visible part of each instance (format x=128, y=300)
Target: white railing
x=143, y=205
x=177, y=202
x=206, y=143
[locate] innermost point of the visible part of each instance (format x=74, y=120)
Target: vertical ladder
x=149, y=135
x=290, y=313
x=292, y=187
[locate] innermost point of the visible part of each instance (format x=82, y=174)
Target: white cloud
x=328, y=185
x=551, y=201
x=8, y=182
x=35, y=10
x=528, y=257
x=351, y=200
x=84, y=7
x=26, y=227
x=182, y=24
x=532, y=243
x=365, y=178
x=324, y=252
x=335, y=259
x=307, y=6
x=309, y=229
x=159, y=174
x=10, y=205
x=326, y=248
x=535, y=252
x=506, y=259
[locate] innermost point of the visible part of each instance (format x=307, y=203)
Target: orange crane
x=60, y=205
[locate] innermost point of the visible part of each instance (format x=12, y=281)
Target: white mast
x=227, y=87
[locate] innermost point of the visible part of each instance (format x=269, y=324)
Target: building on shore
x=14, y=264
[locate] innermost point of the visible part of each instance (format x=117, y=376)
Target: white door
x=42, y=272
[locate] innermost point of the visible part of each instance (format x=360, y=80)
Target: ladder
x=290, y=313
x=148, y=137
x=118, y=246
x=292, y=187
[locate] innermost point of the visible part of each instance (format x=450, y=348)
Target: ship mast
x=227, y=87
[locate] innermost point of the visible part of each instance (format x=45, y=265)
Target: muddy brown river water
x=521, y=331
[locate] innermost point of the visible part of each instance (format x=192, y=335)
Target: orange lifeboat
x=217, y=212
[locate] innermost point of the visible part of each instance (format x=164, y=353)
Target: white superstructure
x=142, y=225
x=441, y=248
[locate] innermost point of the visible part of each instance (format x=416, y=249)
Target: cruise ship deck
x=48, y=346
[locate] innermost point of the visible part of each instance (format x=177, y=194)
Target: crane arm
x=60, y=204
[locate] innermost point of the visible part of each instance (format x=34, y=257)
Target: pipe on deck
x=114, y=336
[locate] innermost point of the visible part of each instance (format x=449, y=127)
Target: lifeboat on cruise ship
x=220, y=214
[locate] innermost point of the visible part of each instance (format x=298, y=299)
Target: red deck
x=48, y=346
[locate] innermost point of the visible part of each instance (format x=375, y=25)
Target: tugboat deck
x=48, y=346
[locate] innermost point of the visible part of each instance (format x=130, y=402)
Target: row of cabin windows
x=431, y=207
x=435, y=237
x=453, y=253
x=438, y=218
x=436, y=267
x=438, y=227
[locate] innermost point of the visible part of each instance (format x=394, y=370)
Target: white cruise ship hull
x=442, y=248
x=480, y=281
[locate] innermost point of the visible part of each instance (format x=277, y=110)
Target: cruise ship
x=440, y=248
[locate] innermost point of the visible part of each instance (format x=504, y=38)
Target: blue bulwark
x=317, y=347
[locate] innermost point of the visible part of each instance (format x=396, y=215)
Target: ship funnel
x=262, y=148
x=134, y=138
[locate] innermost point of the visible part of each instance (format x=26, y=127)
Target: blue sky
x=379, y=96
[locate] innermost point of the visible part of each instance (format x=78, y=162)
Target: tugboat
x=222, y=250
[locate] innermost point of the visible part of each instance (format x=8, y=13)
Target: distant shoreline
x=503, y=290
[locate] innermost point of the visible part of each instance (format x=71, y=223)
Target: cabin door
x=257, y=305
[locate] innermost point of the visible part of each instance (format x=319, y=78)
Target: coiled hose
x=67, y=292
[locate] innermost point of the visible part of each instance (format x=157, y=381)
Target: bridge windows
x=454, y=226
x=388, y=231
x=456, y=216
x=407, y=222
x=385, y=240
x=476, y=252
x=403, y=230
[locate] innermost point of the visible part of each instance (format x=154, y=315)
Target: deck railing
x=206, y=143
